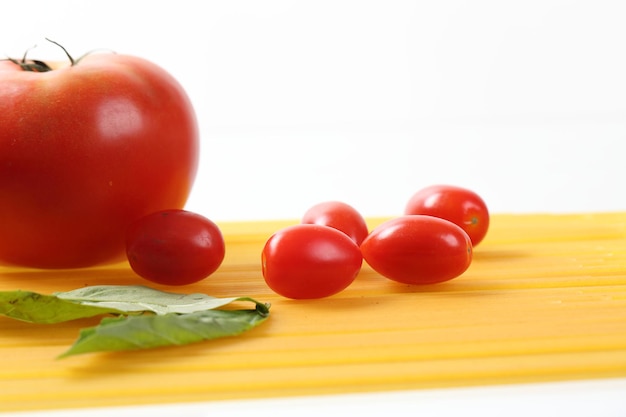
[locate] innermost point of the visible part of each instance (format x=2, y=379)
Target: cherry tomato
x=418, y=249
x=307, y=261
x=85, y=149
x=461, y=206
x=340, y=216
x=174, y=247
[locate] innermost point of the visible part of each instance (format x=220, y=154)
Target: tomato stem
x=72, y=61
x=35, y=65
x=32, y=65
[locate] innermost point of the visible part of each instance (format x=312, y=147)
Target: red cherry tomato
x=174, y=247
x=85, y=149
x=418, y=249
x=307, y=261
x=340, y=216
x=461, y=206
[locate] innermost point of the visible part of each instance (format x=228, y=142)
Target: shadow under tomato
x=498, y=255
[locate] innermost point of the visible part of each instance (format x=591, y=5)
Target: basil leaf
x=39, y=308
x=105, y=299
x=170, y=319
x=151, y=331
x=138, y=298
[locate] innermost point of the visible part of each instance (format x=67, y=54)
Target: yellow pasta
x=544, y=300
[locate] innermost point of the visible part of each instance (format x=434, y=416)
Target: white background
x=368, y=101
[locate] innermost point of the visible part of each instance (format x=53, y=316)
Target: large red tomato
x=85, y=149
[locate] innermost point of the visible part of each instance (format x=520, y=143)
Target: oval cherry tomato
x=461, y=206
x=174, y=247
x=85, y=149
x=340, y=216
x=307, y=261
x=418, y=249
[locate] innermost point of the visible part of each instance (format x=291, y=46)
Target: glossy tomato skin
x=174, y=247
x=340, y=216
x=459, y=205
x=418, y=249
x=308, y=261
x=84, y=151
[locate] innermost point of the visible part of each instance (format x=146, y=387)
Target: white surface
x=367, y=101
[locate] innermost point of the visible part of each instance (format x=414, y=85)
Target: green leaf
x=138, y=298
x=151, y=331
x=170, y=319
x=38, y=308
x=104, y=299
